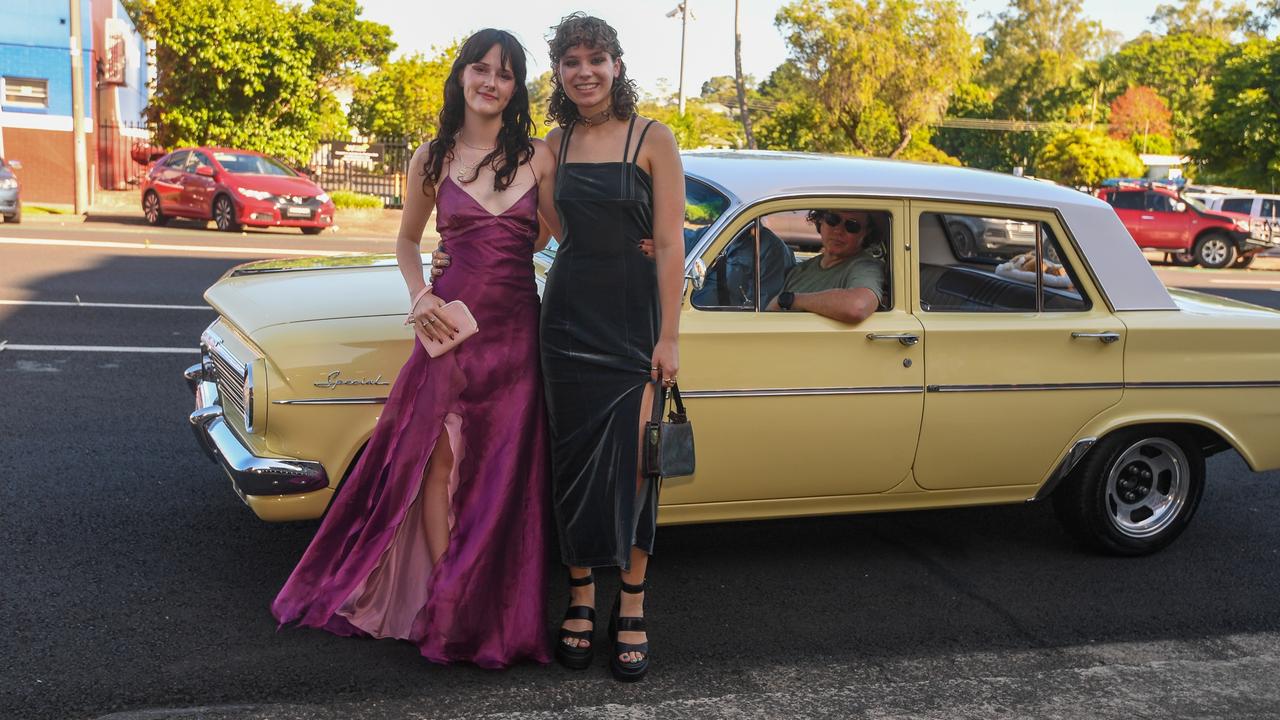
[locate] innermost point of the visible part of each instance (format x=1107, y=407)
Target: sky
x=651, y=42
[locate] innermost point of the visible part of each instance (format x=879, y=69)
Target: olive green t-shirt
x=863, y=270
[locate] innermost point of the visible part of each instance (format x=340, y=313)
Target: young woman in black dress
x=610, y=323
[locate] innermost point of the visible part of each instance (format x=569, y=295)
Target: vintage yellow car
x=994, y=372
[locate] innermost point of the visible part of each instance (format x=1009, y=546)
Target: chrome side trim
x=333, y=401
x=786, y=392
x=1073, y=458
x=1029, y=386
x=1203, y=384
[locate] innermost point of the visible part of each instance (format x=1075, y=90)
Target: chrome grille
x=232, y=377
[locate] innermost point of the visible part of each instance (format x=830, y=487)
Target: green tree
x=1155, y=144
x=342, y=43
x=882, y=69
x=1179, y=67
x=1084, y=158
x=403, y=98
x=539, y=95
x=698, y=127
x=1055, y=33
x=1218, y=20
x=1239, y=136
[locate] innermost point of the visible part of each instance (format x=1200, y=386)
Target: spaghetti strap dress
x=600, y=323
x=368, y=571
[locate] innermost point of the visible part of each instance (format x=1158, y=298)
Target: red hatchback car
x=233, y=188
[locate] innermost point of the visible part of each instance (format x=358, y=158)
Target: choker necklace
x=597, y=119
x=474, y=147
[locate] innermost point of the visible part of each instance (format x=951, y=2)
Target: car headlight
x=255, y=194
x=323, y=197
x=8, y=183
x=1242, y=225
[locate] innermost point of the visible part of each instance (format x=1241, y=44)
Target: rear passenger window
x=1159, y=202
x=1127, y=200
x=1271, y=209
x=975, y=263
x=1238, y=205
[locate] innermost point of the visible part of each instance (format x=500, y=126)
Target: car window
x=703, y=205
x=1128, y=200
x=196, y=160
x=1270, y=209
x=1238, y=205
x=177, y=160
x=786, y=240
x=247, y=164
x=1159, y=202
x=976, y=263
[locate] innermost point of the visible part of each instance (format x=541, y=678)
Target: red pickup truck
x=1183, y=228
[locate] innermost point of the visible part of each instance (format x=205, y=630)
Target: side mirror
x=1180, y=206
x=15, y=164
x=205, y=171
x=697, y=274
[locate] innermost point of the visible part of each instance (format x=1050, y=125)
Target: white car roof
x=1123, y=273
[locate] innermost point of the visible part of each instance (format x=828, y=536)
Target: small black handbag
x=668, y=446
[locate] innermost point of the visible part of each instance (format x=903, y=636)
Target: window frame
x=25, y=102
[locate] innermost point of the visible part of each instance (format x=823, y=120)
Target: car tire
x=1243, y=261
x=966, y=246
x=224, y=214
x=312, y=230
x=1181, y=259
x=151, y=209
x=1135, y=491
x=1214, y=250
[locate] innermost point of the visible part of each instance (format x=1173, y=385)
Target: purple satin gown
x=368, y=572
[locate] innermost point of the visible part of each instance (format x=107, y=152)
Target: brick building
x=35, y=94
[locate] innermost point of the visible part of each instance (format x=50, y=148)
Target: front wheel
x=312, y=230
x=224, y=214
x=1214, y=250
x=966, y=246
x=1134, y=493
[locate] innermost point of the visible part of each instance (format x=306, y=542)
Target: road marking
x=130, y=306
x=99, y=349
x=168, y=246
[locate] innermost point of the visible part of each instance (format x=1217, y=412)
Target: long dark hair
x=582, y=29
x=514, y=146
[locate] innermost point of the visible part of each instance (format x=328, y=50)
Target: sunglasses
x=853, y=227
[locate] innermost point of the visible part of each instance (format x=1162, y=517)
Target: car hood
x=1201, y=303
x=261, y=294
x=274, y=184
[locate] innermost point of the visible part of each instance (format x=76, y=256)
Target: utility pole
x=683, y=11
x=77, y=111
x=737, y=67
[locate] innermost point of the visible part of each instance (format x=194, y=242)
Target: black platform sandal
x=624, y=670
x=577, y=658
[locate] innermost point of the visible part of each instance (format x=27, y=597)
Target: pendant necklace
x=465, y=169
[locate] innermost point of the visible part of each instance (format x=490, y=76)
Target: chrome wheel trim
x=222, y=212
x=1214, y=251
x=151, y=208
x=1147, y=487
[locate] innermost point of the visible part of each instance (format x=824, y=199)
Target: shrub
x=353, y=200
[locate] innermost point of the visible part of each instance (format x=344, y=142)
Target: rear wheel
x=1214, y=250
x=224, y=214
x=151, y=209
x=1134, y=493
x=966, y=246
x=1181, y=259
x=1243, y=261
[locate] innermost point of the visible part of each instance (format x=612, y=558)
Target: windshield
x=1193, y=202
x=703, y=205
x=245, y=164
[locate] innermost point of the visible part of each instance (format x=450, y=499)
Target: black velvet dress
x=600, y=323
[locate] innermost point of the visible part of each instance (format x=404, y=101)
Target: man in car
x=846, y=281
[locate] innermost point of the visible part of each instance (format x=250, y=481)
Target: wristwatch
x=785, y=299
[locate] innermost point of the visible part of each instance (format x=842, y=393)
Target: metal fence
x=123, y=151
x=373, y=168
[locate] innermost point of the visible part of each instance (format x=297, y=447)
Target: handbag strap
x=677, y=415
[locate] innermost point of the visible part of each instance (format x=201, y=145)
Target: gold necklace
x=464, y=169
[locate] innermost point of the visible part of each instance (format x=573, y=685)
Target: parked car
x=1066, y=372
x=10, y=191
x=1188, y=232
x=233, y=188
x=1254, y=205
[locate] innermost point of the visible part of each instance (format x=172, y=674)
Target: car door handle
x=1148, y=217
x=1106, y=337
x=905, y=338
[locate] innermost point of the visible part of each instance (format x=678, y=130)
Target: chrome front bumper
x=251, y=474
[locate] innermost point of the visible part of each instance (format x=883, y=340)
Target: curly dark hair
x=514, y=146
x=582, y=29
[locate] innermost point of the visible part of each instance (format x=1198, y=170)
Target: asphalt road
x=134, y=584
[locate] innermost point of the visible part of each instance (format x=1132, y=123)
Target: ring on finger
x=431, y=320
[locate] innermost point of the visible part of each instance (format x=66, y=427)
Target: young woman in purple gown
x=438, y=536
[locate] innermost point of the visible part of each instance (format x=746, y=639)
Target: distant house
x=35, y=94
x=1163, y=167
